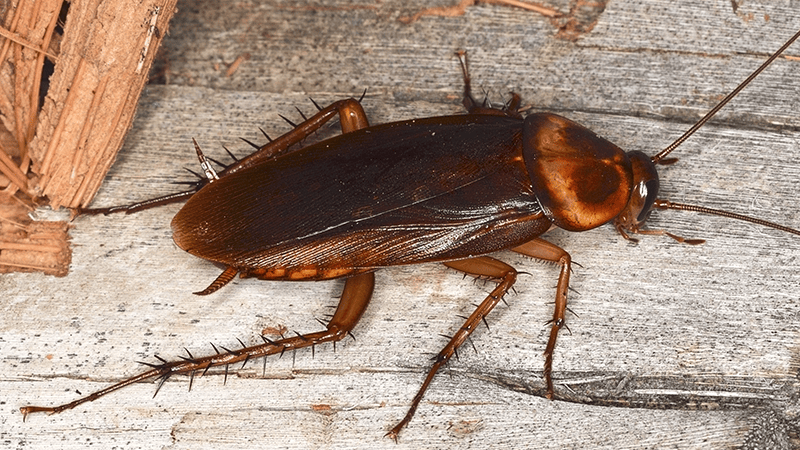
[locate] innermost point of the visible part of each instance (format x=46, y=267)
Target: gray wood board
x=672, y=345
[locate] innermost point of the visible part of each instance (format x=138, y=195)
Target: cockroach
x=449, y=189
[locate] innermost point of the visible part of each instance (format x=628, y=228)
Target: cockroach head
x=643, y=194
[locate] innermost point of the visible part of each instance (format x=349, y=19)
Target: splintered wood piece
x=30, y=246
x=60, y=132
x=93, y=95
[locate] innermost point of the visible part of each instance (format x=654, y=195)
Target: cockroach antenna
x=631, y=223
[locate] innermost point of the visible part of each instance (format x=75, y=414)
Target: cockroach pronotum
x=449, y=189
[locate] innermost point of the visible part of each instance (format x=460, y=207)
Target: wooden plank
x=672, y=345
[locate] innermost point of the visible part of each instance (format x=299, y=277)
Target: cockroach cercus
x=449, y=189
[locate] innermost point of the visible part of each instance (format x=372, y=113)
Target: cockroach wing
x=581, y=179
x=405, y=192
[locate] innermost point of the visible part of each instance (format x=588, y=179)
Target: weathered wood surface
x=673, y=346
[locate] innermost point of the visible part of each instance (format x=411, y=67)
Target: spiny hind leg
x=482, y=266
x=355, y=298
x=351, y=117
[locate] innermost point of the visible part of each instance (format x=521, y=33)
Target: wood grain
x=671, y=346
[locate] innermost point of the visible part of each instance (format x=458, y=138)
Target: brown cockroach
x=447, y=189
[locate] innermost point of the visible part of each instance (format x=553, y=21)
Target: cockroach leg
x=483, y=266
x=138, y=206
x=208, y=169
x=224, y=278
x=680, y=239
x=351, y=117
x=541, y=249
x=473, y=107
x=355, y=298
x=505, y=275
